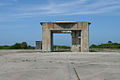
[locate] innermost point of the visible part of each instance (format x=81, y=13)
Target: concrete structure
x=39, y=45
x=79, y=33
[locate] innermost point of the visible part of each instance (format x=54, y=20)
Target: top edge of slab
x=65, y=22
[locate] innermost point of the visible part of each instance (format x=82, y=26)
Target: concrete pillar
x=85, y=37
x=46, y=42
x=76, y=41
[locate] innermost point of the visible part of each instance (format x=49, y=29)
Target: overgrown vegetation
x=107, y=45
x=61, y=47
x=22, y=45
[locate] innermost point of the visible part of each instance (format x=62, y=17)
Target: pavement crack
x=76, y=73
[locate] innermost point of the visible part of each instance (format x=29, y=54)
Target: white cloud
x=75, y=7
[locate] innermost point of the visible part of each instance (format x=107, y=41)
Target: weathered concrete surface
x=80, y=29
x=59, y=66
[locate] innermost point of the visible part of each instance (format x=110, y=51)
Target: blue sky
x=20, y=19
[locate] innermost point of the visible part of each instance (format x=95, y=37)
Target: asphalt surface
x=34, y=65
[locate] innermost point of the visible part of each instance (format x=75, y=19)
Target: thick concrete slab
x=59, y=66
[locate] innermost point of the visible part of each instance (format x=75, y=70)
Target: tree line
x=22, y=45
x=109, y=44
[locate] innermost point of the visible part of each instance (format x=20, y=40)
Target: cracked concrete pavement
x=34, y=65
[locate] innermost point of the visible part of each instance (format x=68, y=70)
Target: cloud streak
x=76, y=7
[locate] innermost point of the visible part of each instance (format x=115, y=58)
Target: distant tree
x=93, y=46
x=116, y=43
x=16, y=46
x=30, y=47
x=24, y=45
x=109, y=42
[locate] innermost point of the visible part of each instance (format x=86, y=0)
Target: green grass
x=61, y=47
x=108, y=45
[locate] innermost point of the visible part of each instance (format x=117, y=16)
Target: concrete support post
x=76, y=41
x=46, y=42
x=85, y=37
